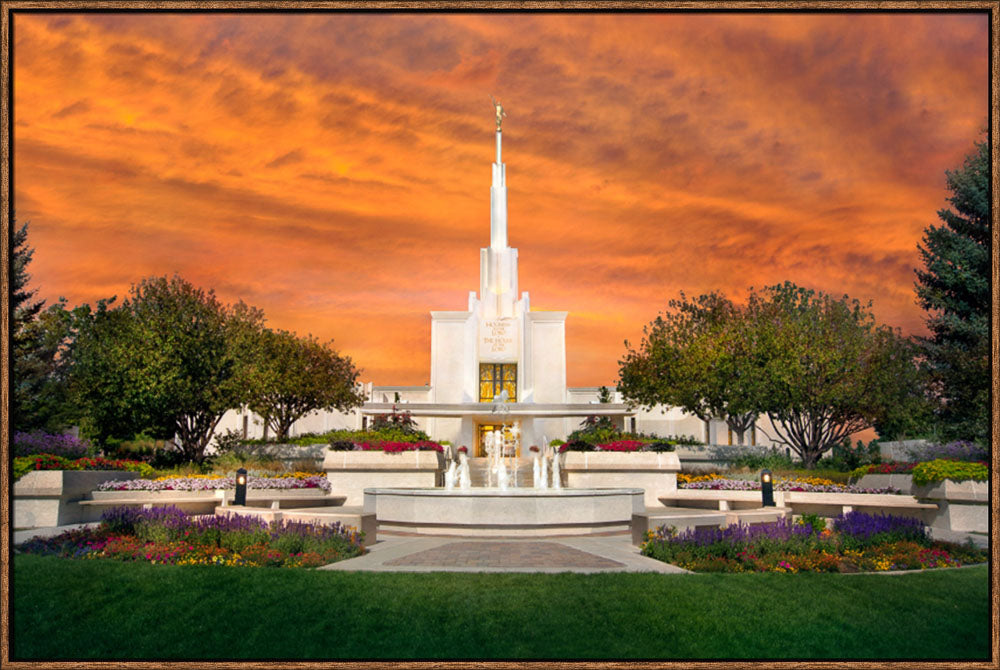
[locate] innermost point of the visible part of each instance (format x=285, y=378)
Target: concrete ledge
x=205, y=502
x=379, y=460
x=484, y=511
x=967, y=491
x=51, y=497
x=351, y=472
x=802, y=502
x=680, y=518
x=875, y=481
x=961, y=517
x=654, y=472
x=605, y=461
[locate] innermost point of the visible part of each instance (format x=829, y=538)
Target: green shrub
x=229, y=442
x=957, y=471
x=307, y=440
x=760, y=459
x=844, y=457
x=683, y=440
x=385, y=434
x=577, y=445
x=238, y=540
x=341, y=445
x=289, y=543
x=817, y=522
x=661, y=446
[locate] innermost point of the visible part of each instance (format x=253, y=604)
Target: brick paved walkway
x=468, y=554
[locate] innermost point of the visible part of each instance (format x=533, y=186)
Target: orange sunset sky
x=334, y=169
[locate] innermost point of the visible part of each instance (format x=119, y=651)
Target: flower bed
x=626, y=445
x=890, y=468
x=960, y=450
x=809, y=484
x=212, y=483
x=38, y=442
x=857, y=542
x=26, y=464
x=957, y=471
x=168, y=535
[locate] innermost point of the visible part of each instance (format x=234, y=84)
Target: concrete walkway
x=462, y=554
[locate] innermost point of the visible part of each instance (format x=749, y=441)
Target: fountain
x=464, y=479
x=556, y=481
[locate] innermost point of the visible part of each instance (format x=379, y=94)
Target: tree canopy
x=166, y=360
x=954, y=289
x=38, y=336
x=824, y=368
x=820, y=368
x=292, y=376
x=691, y=357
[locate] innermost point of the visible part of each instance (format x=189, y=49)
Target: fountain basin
x=496, y=512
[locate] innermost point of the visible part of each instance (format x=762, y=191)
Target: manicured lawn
x=104, y=609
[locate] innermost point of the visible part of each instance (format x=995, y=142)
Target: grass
x=66, y=609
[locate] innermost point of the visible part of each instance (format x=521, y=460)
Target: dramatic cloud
x=333, y=169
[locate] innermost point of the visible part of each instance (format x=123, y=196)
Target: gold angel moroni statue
x=499, y=110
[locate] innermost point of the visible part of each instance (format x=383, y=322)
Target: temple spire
x=498, y=192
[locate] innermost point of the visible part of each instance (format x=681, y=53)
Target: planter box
x=351, y=472
x=827, y=505
x=900, y=481
x=962, y=506
x=654, y=472
x=45, y=498
x=968, y=491
x=207, y=502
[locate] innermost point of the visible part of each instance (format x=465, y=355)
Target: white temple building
x=494, y=350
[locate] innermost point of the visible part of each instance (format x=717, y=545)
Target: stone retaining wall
x=51, y=497
x=655, y=472
x=351, y=472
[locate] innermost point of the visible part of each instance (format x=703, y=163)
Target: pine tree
x=22, y=306
x=24, y=310
x=954, y=289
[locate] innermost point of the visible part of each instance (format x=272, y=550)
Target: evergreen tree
x=24, y=311
x=954, y=288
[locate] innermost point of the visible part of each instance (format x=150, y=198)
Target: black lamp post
x=766, y=489
x=241, y=487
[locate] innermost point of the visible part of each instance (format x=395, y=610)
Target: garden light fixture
x=241, y=487
x=766, y=489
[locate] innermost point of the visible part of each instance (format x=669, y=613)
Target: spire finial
x=499, y=110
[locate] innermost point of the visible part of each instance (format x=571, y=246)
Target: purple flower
x=960, y=450
x=38, y=442
x=862, y=528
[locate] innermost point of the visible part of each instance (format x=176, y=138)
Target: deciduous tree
x=824, y=368
x=819, y=367
x=691, y=357
x=167, y=360
x=294, y=375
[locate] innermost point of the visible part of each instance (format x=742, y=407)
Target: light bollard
x=241, y=487
x=766, y=489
